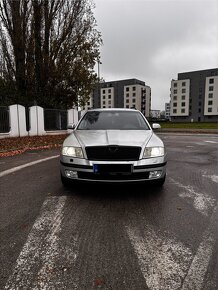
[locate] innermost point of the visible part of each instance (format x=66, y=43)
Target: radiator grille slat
x=113, y=153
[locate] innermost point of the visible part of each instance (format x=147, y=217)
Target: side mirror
x=156, y=126
x=71, y=126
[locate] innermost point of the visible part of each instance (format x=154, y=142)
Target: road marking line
x=14, y=169
x=213, y=142
x=34, y=268
x=164, y=262
x=196, y=274
x=214, y=178
x=202, y=202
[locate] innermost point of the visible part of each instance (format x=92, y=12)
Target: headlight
x=72, y=152
x=153, y=152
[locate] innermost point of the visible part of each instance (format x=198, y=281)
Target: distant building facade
x=167, y=111
x=194, y=97
x=129, y=93
x=155, y=114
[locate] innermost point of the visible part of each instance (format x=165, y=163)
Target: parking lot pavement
x=113, y=236
x=29, y=156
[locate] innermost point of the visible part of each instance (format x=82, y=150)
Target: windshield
x=113, y=120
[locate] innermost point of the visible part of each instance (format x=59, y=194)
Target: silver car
x=113, y=145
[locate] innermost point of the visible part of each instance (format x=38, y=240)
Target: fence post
x=17, y=121
x=36, y=121
x=72, y=116
x=33, y=121
x=81, y=113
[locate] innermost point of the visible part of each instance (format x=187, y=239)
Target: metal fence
x=4, y=120
x=27, y=114
x=55, y=119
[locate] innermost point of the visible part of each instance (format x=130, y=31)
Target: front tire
x=65, y=181
x=160, y=182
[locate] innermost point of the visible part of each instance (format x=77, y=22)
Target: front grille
x=108, y=176
x=113, y=153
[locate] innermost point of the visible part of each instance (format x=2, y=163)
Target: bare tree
x=50, y=48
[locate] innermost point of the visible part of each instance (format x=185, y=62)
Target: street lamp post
x=99, y=70
x=99, y=90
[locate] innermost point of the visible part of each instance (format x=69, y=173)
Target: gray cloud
x=155, y=40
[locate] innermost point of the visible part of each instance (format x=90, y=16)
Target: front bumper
x=141, y=170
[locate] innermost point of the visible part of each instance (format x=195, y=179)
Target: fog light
x=155, y=174
x=71, y=173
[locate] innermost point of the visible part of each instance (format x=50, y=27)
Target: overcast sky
x=154, y=40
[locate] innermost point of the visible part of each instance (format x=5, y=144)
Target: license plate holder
x=112, y=168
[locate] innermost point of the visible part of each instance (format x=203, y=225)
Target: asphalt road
x=112, y=236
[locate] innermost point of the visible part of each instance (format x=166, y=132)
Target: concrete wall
x=36, y=119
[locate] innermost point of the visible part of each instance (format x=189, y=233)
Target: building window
x=133, y=106
x=183, y=104
x=209, y=110
x=133, y=94
x=109, y=102
x=109, y=106
x=127, y=101
x=174, y=104
x=88, y=103
x=183, y=91
x=103, y=107
x=127, y=106
x=174, y=98
x=174, y=111
x=210, y=102
x=103, y=92
x=127, y=89
x=133, y=88
x=211, y=88
x=199, y=110
x=183, y=111
x=103, y=97
x=183, y=84
x=199, y=104
x=183, y=97
x=103, y=102
x=175, y=91
x=211, y=81
x=175, y=85
x=133, y=100
x=109, y=96
x=127, y=95
x=109, y=91
x=210, y=95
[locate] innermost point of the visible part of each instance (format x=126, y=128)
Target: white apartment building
x=107, y=97
x=89, y=104
x=137, y=96
x=194, y=96
x=167, y=111
x=211, y=96
x=130, y=93
x=180, y=97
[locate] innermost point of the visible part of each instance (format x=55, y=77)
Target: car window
x=113, y=120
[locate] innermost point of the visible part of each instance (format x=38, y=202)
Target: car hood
x=109, y=137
